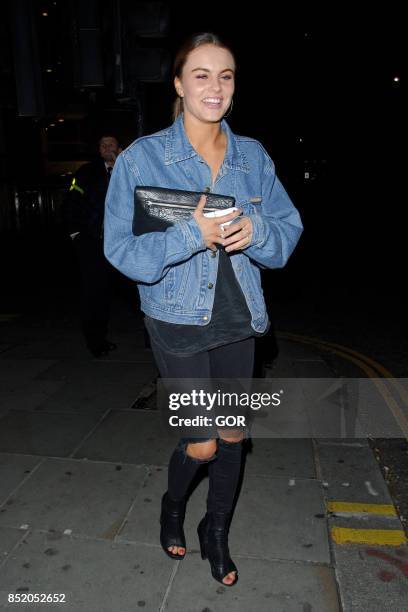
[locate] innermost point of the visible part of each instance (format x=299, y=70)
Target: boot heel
x=201, y=531
x=213, y=534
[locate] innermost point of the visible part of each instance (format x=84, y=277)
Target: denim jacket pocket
x=176, y=283
x=250, y=204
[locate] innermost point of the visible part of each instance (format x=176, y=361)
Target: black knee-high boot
x=224, y=476
x=213, y=529
x=182, y=469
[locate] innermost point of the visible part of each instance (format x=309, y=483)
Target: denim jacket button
x=210, y=285
x=213, y=253
x=205, y=318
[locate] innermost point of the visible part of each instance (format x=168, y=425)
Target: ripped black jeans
x=235, y=360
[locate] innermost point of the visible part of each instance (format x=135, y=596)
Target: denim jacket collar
x=178, y=147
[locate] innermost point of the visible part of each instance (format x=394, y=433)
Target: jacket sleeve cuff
x=258, y=230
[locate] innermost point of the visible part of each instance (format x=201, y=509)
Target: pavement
x=83, y=465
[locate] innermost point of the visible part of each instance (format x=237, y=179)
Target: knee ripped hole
x=205, y=455
x=196, y=452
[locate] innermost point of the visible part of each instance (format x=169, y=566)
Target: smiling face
x=207, y=83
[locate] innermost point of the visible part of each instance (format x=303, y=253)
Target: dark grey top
x=230, y=321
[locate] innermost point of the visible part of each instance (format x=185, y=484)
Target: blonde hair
x=192, y=42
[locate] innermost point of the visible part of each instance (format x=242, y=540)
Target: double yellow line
x=375, y=371
x=370, y=367
x=380, y=537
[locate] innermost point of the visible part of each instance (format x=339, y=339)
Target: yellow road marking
x=357, y=507
x=381, y=369
x=374, y=364
x=381, y=537
x=345, y=353
x=342, y=535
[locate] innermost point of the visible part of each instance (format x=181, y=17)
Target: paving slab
x=352, y=474
x=8, y=539
x=59, y=346
x=14, y=469
x=299, y=351
x=264, y=586
x=329, y=404
x=142, y=523
x=350, y=408
x=345, y=442
x=130, y=345
x=314, y=407
x=90, y=372
x=311, y=368
x=68, y=344
x=88, y=498
x=94, y=575
x=29, y=396
x=280, y=457
x=108, y=491
x=288, y=420
x=282, y=366
x=131, y=436
x=298, y=360
x=280, y=520
x=310, y=407
x=14, y=373
x=104, y=396
x=48, y=434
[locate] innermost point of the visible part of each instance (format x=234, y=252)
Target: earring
x=230, y=109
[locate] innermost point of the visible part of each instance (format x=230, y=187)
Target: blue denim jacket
x=175, y=271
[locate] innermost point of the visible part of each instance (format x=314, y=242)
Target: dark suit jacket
x=84, y=204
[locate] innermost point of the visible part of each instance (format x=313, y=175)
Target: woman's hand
x=210, y=228
x=238, y=235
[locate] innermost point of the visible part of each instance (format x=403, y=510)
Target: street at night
x=320, y=518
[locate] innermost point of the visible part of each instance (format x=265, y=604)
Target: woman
x=201, y=277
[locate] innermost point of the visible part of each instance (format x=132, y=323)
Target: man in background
x=84, y=213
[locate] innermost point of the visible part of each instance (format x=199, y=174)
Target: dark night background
x=323, y=88
x=321, y=85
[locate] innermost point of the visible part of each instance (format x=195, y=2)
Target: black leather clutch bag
x=157, y=208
